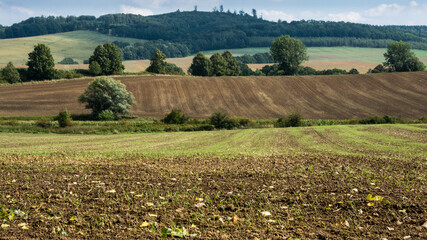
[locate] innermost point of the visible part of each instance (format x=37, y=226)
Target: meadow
x=353, y=182
x=79, y=45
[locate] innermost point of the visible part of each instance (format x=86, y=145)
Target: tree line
x=221, y=30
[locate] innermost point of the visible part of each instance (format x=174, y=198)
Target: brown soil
x=308, y=197
x=318, y=97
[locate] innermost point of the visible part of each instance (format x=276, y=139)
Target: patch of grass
x=78, y=45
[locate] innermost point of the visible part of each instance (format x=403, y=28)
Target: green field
x=78, y=45
x=332, y=54
x=403, y=141
x=331, y=182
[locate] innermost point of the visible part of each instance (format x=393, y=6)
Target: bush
x=64, y=119
x=68, y=61
x=94, y=68
x=291, y=120
x=11, y=74
x=44, y=123
x=106, y=115
x=105, y=93
x=353, y=71
x=221, y=120
x=67, y=74
x=175, y=117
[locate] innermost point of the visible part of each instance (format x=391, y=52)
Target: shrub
x=68, y=61
x=64, y=119
x=291, y=120
x=353, y=71
x=105, y=93
x=44, y=123
x=11, y=74
x=221, y=120
x=94, y=68
x=175, y=117
x=106, y=115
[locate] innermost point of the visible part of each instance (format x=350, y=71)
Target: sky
x=376, y=12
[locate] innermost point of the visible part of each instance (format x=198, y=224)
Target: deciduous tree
x=399, y=58
x=289, y=53
x=158, y=63
x=109, y=59
x=40, y=63
x=10, y=74
x=201, y=65
x=107, y=94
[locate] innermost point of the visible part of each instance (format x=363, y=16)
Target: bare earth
x=317, y=97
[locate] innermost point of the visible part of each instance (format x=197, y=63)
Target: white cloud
x=274, y=15
x=383, y=9
x=22, y=10
x=150, y=3
x=414, y=4
x=134, y=10
x=346, y=17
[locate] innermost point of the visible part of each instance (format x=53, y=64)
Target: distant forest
x=199, y=31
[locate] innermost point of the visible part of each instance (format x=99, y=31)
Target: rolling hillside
x=78, y=45
x=318, y=97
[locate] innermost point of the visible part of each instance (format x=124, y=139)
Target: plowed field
x=318, y=97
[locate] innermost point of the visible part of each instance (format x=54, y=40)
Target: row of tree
x=220, y=30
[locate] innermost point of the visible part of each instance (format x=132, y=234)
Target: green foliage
x=146, y=50
x=289, y=53
x=64, y=119
x=106, y=115
x=40, y=63
x=256, y=58
x=291, y=120
x=245, y=70
x=11, y=74
x=105, y=93
x=109, y=59
x=43, y=123
x=95, y=68
x=399, y=58
x=68, y=61
x=157, y=63
x=221, y=120
x=175, y=117
x=232, y=67
x=173, y=69
x=219, y=65
x=378, y=120
x=378, y=69
x=201, y=66
x=353, y=71
x=68, y=74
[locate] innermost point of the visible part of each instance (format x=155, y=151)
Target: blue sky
x=395, y=12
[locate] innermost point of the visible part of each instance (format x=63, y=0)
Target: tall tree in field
x=108, y=58
x=10, y=74
x=233, y=68
x=399, y=58
x=40, y=63
x=201, y=66
x=158, y=63
x=289, y=53
x=219, y=65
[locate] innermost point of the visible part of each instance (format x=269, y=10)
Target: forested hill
x=218, y=30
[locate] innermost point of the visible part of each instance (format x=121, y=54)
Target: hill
x=317, y=97
x=217, y=30
x=78, y=45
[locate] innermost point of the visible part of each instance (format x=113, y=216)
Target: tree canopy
x=157, y=63
x=40, y=63
x=108, y=58
x=399, y=58
x=106, y=94
x=10, y=74
x=289, y=53
x=201, y=65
